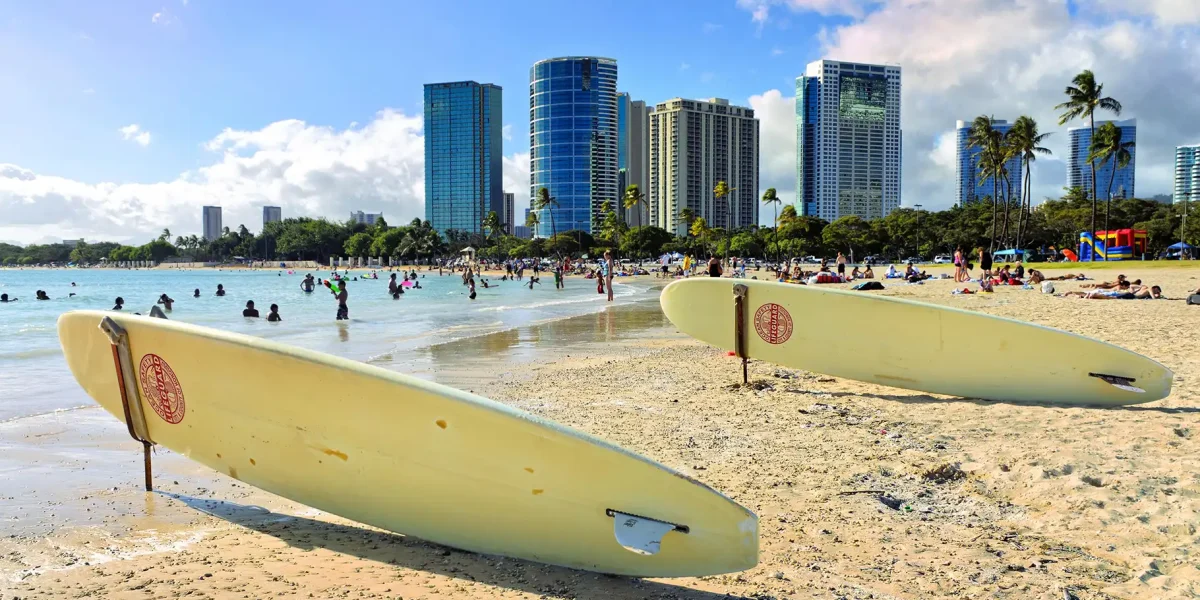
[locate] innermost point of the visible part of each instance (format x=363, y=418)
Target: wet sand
x=862, y=491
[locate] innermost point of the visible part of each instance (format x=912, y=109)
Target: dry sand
x=862, y=491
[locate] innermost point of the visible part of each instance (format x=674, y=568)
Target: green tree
x=772, y=197
x=531, y=221
x=544, y=201
x=743, y=244
x=1084, y=97
x=1027, y=142
x=359, y=244
x=165, y=235
x=848, y=234
x=990, y=141
x=613, y=228
x=722, y=192
x=492, y=224
x=634, y=199
x=1108, y=147
x=646, y=241
x=688, y=216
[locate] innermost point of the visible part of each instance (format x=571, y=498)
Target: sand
x=862, y=491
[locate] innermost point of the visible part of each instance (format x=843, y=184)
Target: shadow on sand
x=390, y=548
x=927, y=399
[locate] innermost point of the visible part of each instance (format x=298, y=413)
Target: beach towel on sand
x=867, y=285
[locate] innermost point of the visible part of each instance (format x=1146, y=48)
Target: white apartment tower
x=694, y=145
x=210, y=218
x=848, y=140
x=1187, y=173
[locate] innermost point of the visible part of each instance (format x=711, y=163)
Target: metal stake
x=740, y=292
x=135, y=419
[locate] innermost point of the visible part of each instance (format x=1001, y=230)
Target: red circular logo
x=773, y=323
x=161, y=388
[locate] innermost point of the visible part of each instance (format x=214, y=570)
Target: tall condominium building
x=271, y=214
x=573, y=139
x=1079, y=170
x=463, y=154
x=210, y=217
x=365, y=218
x=1187, y=174
x=693, y=146
x=508, y=215
x=848, y=140
x=966, y=167
x=633, y=161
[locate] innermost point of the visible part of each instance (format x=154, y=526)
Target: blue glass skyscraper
x=966, y=161
x=463, y=154
x=573, y=139
x=1079, y=170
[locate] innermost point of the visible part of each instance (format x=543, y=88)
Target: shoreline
x=861, y=490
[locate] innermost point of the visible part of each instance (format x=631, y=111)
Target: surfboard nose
x=88, y=355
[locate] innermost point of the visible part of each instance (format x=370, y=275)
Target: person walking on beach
x=841, y=265
x=958, y=264
x=985, y=263
x=250, y=311
x=609, y=267
x=343, y=311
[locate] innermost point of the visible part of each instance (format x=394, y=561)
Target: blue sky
x=117, y=118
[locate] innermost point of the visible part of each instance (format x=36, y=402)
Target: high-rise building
x=272, y=214
x=966, y=167
x=633, y=166
x=508, y=216
x=522, y=232
x=848, y=140
x=365, y=218
x=694, y=145
x=1079, y=170
x=463, y=154
x=1187, y=174
x=210, y=218
x=573, y=139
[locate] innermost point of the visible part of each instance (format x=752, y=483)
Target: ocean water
x=34, y=378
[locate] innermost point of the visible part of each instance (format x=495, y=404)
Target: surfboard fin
x=1121, y=383
x=641, y=535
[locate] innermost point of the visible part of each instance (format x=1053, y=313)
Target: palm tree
x=634, y=198
x=532, y=221
x=687, y=215
x=165, y=236
x=699, y=229
x=771, y=197
x=544, y=201
x=990, y=142
x=721, y=192
x=1108, y=147
x=1026, y=140
x=1084, y=96
x=492, y=223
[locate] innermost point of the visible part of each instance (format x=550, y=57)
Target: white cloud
x=708, y=28
x=684, y=66
x=1016, y=59
x=776, y=114
x=307, y=169
x=506, y=132
x=134, y=133
x=163, y=18
x=776, y=52
x=516, y=181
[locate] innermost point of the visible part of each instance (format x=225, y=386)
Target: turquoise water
x=34, y=378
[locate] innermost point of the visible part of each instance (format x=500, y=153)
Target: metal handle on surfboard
x=740, y=294
x=135, y=418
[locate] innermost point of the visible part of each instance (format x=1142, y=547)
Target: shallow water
x=34, y=378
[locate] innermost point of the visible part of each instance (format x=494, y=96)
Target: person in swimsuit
x=120, y=304
x=343, y=311
x=841, y=265
x=166, y=301
x=250, y=311
x=5, y=298
x=273, y=316
x=985, y=263
x=610, y=266
x=714, y=266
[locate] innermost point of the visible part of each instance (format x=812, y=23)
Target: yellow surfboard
x=912, y=345
x=403, y=454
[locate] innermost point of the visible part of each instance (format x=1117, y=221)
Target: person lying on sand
x=1106, y=285
x=1124, y=291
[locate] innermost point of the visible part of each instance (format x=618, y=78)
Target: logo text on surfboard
x=773, y=323
x=161, y=388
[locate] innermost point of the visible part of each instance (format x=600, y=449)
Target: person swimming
x=197, y=293
x=41, y=295
x=5, y=298
x=120, y=304
x=220, y=290
x=250, y=310
x=273, y=316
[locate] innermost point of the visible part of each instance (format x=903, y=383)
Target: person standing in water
x=166, y=301
x=250, y=310
x=343, y=311
x=610, y=266
x=120, y=304
x=392, y=284
x=273, y=316
x=197, y=293
x=220, y=290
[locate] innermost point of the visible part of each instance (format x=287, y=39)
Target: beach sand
x=862, y=491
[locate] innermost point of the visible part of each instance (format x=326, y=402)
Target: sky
x=118, y=119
